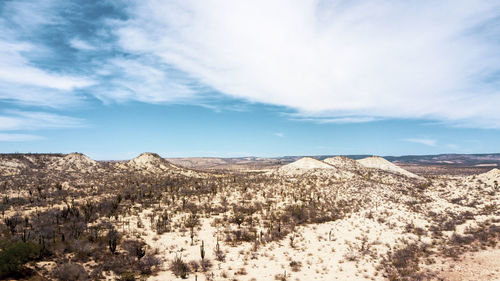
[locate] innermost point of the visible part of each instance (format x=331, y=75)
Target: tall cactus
x=112, y=244
x=202, y=250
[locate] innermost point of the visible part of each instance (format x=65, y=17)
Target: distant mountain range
x=440, y=159
x=452, y=159
x=469, y=160
x=480, y=160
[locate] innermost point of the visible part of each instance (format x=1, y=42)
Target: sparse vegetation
x=126, y=218
x=13, y=257
x=179, y=267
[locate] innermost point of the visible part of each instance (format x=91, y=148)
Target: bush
x=219, y=254
x=179, y=268
x=295, y=265
x=148, y=263
x=70, y=272
x=127, y=277
x=16, y=255
x=404, y=263
x=205, y=264
x=194, y=265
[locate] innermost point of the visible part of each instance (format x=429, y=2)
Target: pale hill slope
x=12, y=167
x=150, y=162
x=76, y=162
x=342, y=162
x=489, y=177
x=493, y=173
x=376, y=162
x=304, y=165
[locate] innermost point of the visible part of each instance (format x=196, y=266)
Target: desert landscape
x=259, y=140
x=68, y=217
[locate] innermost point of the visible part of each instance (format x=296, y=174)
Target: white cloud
x=38, y=96
x=378, y=59
x=142, y=80
x=15, y=69
x=428, y=142
x=29, y=15
x=21, y=81
x=453, y=146
x=334, y=120
x=81, y=45
x=29, y=120
x=281, y=135
x=19, y=137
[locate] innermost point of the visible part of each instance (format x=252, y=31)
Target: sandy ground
x=482, y=265
x=350, y=248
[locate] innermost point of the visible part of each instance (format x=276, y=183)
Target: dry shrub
x=296, y=266
x=70, y=272
x=194, y=265
x=206, y=264
x=148, y=264
x=241, y=271
x=179, y=268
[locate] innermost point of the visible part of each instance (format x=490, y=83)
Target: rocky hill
x=149, y=162
x=376, y=162
x=304, y=165
x=74, y=162
x=343, y=162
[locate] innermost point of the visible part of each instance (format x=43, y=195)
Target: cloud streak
x=329, y=62
x=21, y=79
x=381, y=59
x=19, y=137
x=13, y=120
x=424, y=141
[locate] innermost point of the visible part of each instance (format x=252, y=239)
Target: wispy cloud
x=278, y=134
x=19, y=137
x=81, y=44
x=424, y=141
x=142, y=80
x=433, y=60
x=12, y=120
x=337, y=120
x=344, y=61
x=453, y=146
x=21, y=80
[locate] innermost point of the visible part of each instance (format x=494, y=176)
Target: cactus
x=112, y=242
x=219, y=255
x=140, y=252
x=202, y=250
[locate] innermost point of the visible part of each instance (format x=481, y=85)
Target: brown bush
x=179, y=268
x=70, y=272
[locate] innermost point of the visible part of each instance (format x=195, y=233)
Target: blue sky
x=116, y=78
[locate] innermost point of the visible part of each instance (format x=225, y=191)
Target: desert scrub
x=13, y=257
x=179, y=268
x=70, y=272
x=295, y=265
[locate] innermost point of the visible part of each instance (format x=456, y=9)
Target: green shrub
x=13, y=257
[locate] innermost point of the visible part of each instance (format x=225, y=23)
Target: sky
x=223, y=78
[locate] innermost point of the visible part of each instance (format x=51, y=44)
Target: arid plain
x=68, y=217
